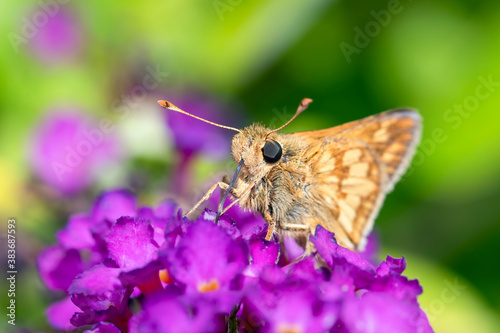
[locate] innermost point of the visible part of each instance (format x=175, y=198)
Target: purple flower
x=111, y=205
x=159, y=217
x=262, y=253
x=57, y=33
x=207, y=260
x=102, y=256
x=334, y=254
x=102, y=327
x=98, y=289
x=381, y=312
x=58, y=266
x=99, y=293
x=68, y=150
x=77, y=233
x=164, y=312
x=292, y=249
x=132, y=248
x=130, y=243
x=282, y=302
x=84, y=235
x=59, y=314
x=203, y=276
x=372, y=248
x=248, y=223
x=345, y=264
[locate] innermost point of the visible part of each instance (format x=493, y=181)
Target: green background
x=259, y=58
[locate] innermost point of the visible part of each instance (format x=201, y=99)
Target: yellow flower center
x=208, y=286
x=289, y=329
x=164, y=276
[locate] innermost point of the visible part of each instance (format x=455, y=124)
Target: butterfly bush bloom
x=68, y=148
x=55, y=33
x=126, y=268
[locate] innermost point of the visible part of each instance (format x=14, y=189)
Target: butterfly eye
x=272, y=151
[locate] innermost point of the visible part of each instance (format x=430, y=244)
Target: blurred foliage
x=262, y=57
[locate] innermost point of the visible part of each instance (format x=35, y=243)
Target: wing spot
x=331, y=179
x=353, y=200
x=405, y=137
x=395, y=148
x=381, y=135
x=346, y=217
x=406, y=123
x=362, y=187
x=325, y=158
x=359, y=170
x=351, y=156
x=326, y=163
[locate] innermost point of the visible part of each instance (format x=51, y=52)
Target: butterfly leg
x=296, y=227
x=272, y=225
x=230, y=205
x=308, y=246
x=222, y=185
x=226, y=180
x=237, y=195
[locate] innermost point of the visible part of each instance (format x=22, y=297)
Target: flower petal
x=381, y=312
x=205, y=253
x=58, y=266
x=76, y=234
x=60, y=313
x=130, y=243
x=113, y=204
x=103, y=327
x=98, y=289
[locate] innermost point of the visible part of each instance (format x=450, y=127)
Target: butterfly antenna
x=169, y=106
x=302, y=106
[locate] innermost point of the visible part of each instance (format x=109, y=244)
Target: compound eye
x=272, y=151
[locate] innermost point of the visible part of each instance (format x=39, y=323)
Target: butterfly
x=337, y=177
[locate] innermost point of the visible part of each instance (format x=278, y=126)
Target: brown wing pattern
x=354, y=165
x=392, y=135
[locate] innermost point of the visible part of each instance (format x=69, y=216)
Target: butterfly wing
x=353, y=167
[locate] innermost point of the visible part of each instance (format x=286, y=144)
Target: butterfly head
x=260, y=151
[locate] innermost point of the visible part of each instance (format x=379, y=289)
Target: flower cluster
x=68, y=150
x=126, y=268
x=60, y=39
